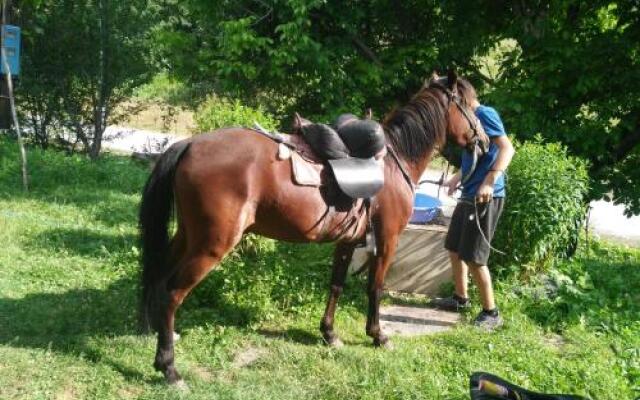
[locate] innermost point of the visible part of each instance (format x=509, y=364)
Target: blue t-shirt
x=493, y=126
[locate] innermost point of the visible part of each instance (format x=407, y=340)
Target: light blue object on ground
x=425, y=208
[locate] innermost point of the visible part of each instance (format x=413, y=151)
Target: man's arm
x=505, y=154
x=453, y=182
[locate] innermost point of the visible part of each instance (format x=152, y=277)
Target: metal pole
x=23, y=152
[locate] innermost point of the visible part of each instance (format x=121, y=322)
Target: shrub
x=215, y=113
x=255, y=246
x=544, y=209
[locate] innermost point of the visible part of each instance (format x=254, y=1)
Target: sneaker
x=452, y=303
x=488, y=320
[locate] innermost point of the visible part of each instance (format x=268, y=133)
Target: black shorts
x=463, y=236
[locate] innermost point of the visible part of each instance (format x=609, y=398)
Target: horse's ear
x=368, y=114
x=434, y=77
x=452, y=79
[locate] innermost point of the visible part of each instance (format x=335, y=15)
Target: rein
x=405, y=174
x=477, y=217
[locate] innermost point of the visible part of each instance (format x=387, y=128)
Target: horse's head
x=463, y=127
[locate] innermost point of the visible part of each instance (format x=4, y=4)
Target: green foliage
x=251, y=289
x=545, y=206
x=166, y=89
x=574, y=76
x=308, y=55
x=255, y=246
x=215, y=113
x=586, y=291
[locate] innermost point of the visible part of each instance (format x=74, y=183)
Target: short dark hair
x=466, y=90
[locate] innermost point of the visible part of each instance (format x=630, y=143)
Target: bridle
x=475, y=144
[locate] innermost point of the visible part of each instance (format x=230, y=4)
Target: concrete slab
x=414, y=321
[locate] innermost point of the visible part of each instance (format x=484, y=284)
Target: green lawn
x=68, y=277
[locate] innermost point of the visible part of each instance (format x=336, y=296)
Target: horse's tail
x=155, y=214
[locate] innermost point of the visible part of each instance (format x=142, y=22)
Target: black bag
x=484, y=386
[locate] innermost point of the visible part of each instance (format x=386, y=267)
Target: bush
x=545, y=207
x=255, y=246
x=215, y=113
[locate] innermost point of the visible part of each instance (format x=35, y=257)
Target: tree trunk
x=100, y=111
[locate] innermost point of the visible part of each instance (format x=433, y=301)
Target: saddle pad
x=305, y=173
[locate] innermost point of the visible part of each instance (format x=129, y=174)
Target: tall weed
x=545, y=207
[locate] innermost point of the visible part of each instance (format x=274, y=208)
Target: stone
x=413, y=321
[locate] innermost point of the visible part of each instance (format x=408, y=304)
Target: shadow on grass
x=67, y=322
x=296, y=335
x=79, y=321
x=82, y=242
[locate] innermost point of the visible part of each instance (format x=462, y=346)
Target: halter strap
x=405, y=174
x=475, y=138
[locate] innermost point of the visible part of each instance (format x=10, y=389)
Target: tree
x=82, y=59
x=574, y=77
x=313, y=56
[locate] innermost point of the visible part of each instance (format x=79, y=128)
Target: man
x=482, y=196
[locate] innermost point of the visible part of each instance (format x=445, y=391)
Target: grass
x=68, y=276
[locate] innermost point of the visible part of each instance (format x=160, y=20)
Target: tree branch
x=366, y=50
x=628, y=142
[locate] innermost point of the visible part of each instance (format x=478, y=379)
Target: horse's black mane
x=418, y=127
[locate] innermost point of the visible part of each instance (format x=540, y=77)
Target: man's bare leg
x=482, y=278
x=460, y=275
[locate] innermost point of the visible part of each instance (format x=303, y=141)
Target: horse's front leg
x=341, y=259
x=377, y=271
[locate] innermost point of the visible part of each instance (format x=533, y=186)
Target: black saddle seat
x=349, y=149
x=325, y=141
x=352, y=137
x=363, y=137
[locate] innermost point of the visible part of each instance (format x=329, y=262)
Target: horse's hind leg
x=341, y=259
x=189, y=271
x=377, y=271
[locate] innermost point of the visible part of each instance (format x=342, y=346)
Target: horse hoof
x=181, y=385
x=383, y=343
x=176, y=336
x=388, y=345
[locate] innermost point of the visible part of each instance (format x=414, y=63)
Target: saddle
x=352, y=148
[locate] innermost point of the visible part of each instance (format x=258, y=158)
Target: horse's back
x=234, y=174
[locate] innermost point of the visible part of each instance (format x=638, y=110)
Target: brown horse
x=231, y=182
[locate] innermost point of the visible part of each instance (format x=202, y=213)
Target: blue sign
x=11, y=48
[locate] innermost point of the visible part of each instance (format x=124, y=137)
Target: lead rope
x=477, y=217
x=484, y=237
